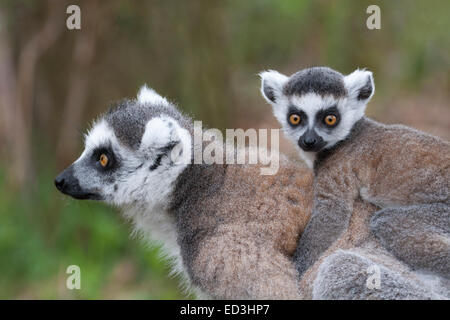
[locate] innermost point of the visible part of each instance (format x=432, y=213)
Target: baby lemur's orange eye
x=330, y=120
x=103, y=160
x=294, y=119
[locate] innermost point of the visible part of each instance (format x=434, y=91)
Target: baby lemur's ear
x=272, y=85
x=360, y=86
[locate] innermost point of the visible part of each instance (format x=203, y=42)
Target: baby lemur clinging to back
x=404, y=172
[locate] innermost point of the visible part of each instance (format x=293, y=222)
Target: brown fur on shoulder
x=243, y=249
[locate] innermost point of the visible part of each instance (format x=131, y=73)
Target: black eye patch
x=322, y=114
x=303, y=117
x=109, y=153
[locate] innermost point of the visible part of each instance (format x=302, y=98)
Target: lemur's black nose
x=309, y=142
x=66, y=182
x=59, y=183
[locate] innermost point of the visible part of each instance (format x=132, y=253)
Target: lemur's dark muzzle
x=310, y=141
x=68, y=184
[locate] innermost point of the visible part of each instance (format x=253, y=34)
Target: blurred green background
x=204, y=55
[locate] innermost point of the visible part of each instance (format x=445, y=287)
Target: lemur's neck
x=153, y=218
x=156, y=225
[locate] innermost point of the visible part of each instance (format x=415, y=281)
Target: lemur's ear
x=148, y=95
x=272, y=85
x=360, y=86
x=160, y=132
x=163, y=135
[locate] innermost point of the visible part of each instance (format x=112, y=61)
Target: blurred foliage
x=203, y=54
x=42, y=233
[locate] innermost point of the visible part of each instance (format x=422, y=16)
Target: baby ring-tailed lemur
x=403, y=172
x=230, y=230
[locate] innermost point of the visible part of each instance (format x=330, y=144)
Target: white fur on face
x=148, y=95
x=101, y=133
x=312, y=103
x=350, y=108
x=134, y=181
x=153, y=187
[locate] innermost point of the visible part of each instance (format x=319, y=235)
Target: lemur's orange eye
x=294, y=119
x=103, y=160
x=330, y=120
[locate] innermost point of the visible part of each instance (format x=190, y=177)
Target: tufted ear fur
x=148, y=95
x=272, y=85
x=360, y=87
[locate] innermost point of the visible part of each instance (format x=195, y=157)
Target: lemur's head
x=132, y=155
x=317, y=107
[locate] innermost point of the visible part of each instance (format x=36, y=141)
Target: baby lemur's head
x=317, y=107
x=133, y=154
